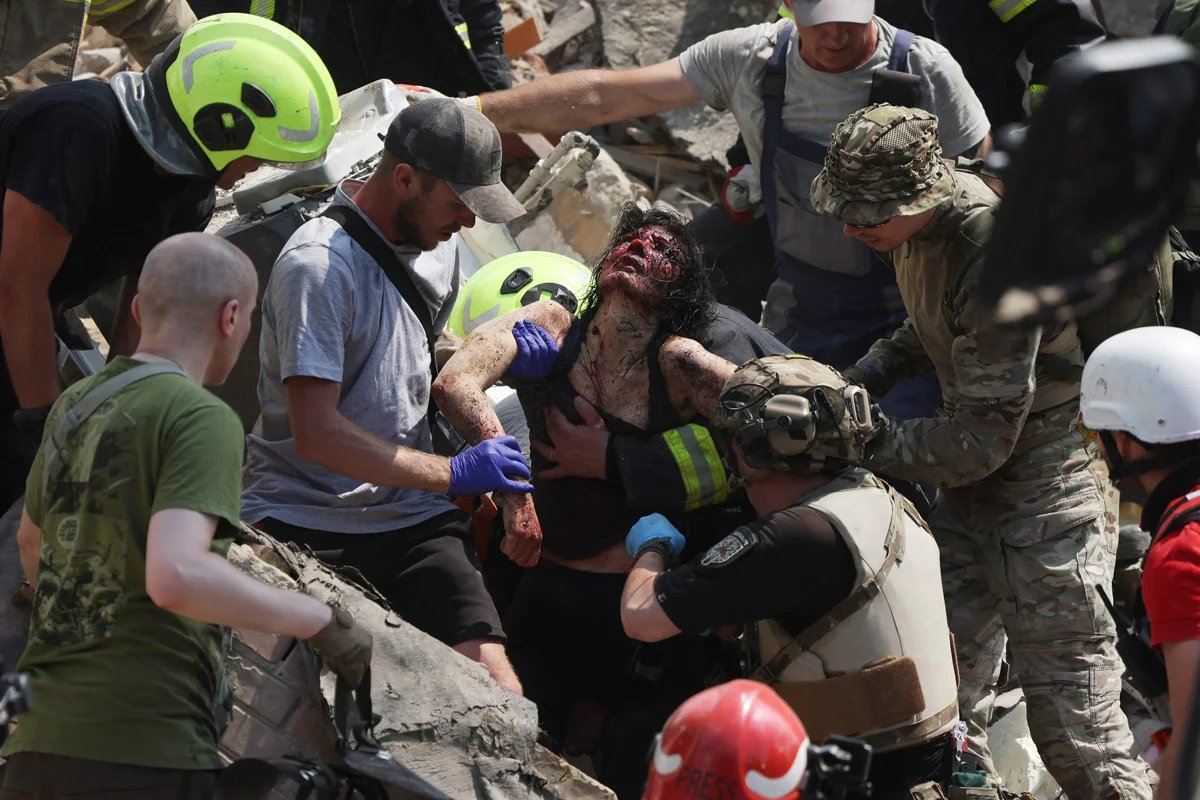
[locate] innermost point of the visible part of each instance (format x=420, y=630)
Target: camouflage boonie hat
x=791, y=413
x=884, y=161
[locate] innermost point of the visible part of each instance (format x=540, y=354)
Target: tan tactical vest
x=880, y=666
x=927, y=272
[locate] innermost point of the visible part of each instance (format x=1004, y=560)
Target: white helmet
x=1145, y=382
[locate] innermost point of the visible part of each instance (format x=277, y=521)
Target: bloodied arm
x=459, y=392
x=695, y=377
x=680, y=468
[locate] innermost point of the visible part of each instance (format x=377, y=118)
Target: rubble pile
x=102, y=55
x=442, y=716
x=674, y=160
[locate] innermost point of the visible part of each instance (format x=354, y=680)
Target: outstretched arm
x=32, y=250
x=589, y=97
x=481, y=361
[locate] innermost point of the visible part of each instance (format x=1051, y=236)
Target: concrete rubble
x=638, y=33
x=443, y=716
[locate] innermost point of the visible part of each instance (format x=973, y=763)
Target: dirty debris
x=442, y=716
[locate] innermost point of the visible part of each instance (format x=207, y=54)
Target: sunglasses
x=872, y=225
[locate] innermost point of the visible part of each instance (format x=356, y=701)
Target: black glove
x=863, y=376
x=879, y=427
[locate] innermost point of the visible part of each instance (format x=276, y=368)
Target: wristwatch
x=660, y=546
x=31, y=420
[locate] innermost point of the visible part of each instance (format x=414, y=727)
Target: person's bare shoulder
x=549, y=315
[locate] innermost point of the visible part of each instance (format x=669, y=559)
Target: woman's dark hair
x=688, y=304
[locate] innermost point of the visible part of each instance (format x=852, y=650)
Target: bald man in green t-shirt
x=128, y=514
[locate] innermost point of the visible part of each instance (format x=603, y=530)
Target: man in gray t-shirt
x=341, y=459
x=832, y=299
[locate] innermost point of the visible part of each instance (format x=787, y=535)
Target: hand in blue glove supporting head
x=491, y=465
x=536, y=352
x=654, y=531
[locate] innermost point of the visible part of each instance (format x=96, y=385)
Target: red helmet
x=739, y=741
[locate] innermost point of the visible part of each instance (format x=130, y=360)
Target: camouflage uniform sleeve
x=897, y=358
x=147, y=26
x=993, y=391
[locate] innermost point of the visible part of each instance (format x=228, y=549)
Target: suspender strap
x=868, y=590
x=353, y=715
x=898, y=60
x=55, y=456
x=386, y=258
x=1160, y=26
x=774, y=82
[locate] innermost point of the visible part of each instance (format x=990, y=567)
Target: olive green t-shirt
x=115, y=678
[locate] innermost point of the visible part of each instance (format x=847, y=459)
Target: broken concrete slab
x=442, y=715
x=578, y=225
x=569, y=27
x=98, y=60
x=639, y=33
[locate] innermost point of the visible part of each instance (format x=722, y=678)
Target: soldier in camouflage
x=1027, y=520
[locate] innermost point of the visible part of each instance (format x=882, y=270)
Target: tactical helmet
x=246, y=86
x=793, y=414
x=884, y=161
x=517, y=280
x=741, y=738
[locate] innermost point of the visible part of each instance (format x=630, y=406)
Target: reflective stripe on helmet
x=189, y=60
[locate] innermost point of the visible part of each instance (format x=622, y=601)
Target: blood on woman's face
x=643, y=261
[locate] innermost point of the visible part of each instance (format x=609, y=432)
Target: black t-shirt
x=790, y=566
x=68, y=149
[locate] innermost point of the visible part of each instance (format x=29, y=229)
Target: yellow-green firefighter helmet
x=516, y=280
x=246, y=86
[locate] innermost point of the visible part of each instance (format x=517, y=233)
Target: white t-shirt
x=727, y=70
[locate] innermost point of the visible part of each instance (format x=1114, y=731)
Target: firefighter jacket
x=41, y=37
x=988, y=37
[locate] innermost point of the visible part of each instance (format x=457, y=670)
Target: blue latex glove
x=536, y=352
x=490, y=466
x=649, y=528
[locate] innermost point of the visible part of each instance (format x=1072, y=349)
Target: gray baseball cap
x=818, y=12
x=459, y=145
